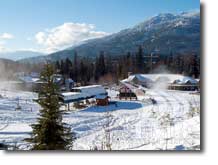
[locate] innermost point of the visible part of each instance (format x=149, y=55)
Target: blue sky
x=37, y=24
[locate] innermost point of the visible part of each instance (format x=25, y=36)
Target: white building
x=170, y=81
x=82, y=93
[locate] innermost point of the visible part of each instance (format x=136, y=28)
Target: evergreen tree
x=109, y=67
x=83, y=72
x=96, y=73
x=170, y=60
x=50, y=133
x=67, y=66
x=140, y=59
x=57, y=66
x=129, y=62
x=75, y=67
x=62, y=67
x=195, y=66
x=101, y=66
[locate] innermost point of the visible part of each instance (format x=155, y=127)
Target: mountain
x=5, y=66
x=6, y=61
x=19, y=55
x=177, y=33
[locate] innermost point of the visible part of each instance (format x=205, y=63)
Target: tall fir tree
x=57, y=66
x=140, y=59
x=101, y=66
x=75, y=67
x=68, y=66
x=50, y=133
x=62, y=68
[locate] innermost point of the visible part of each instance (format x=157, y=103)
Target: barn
x=82, y=93
x=164, y=81
x=130, y=92
x=102, y=100
x=140, y=79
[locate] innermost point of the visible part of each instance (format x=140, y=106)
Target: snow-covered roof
x=138, y=92
x=139, y=77
x=29, y=79
x=91, y=89
x=69, y=80
x=83, y=92
x=169, y=78
x=66, y=94
x=101, y=96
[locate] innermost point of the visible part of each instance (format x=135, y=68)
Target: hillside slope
x=165, y=33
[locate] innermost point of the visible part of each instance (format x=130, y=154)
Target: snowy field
x=171, y=124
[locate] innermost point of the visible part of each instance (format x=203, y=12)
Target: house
x=140, y=80
x=82, y=93
x=58, y=79
x=69, y=84
x=163, y=81
x=102, y=100
x=29, y=83
x=128, y=91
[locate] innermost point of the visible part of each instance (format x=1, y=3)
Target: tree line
x=106, y=68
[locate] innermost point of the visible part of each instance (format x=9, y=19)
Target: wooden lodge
x=184, y=87
x=102, y=100
x=127, y=92
x=84, y=93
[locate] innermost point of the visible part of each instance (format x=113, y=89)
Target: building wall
x=102, y=102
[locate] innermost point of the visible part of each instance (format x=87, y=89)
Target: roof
x=138, y=92
x=66, y=94
x=84, y=92
x=101, y=96
x=69, y=80
x=88, y=87
x=29, y=79
x=140, y=78
x=169, y=78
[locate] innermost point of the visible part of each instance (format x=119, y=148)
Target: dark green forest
x=110, y=69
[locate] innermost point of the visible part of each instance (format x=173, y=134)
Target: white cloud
x=6, y=36
x=3, y=38
x=66, y=35
x=2, y=48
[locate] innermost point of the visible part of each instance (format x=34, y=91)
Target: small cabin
x=102, y=100
x=126, y=93
x=82, y=93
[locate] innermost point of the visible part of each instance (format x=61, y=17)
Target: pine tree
x=101, y=66
x=140, y=59
x=75, y=67
x=62, y=67
x=50, y=133
x=68, y=66
x=96, y=72
x=83, y=72
x=57, y=65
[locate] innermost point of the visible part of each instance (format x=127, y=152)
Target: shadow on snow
x=114, y=106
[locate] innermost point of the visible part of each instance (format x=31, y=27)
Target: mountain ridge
x=19, y=55
x=165, y=32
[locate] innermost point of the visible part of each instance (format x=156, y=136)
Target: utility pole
x=151, y=57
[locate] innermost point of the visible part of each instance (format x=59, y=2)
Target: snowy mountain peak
x=165, y=18
x=179, y=33
x=191, y=14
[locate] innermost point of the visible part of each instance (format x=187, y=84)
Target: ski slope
x=172, y=123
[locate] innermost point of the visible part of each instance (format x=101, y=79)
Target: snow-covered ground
x=172, y=123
